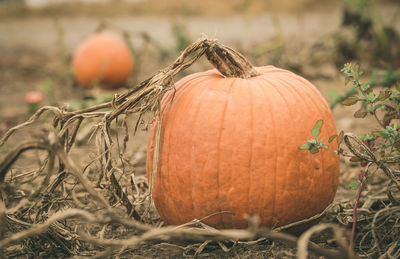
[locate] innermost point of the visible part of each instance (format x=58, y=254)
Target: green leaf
x=355, y=72
x=331, y=138
x=361, y=94
x=304, y=147
x=371, y=97
x=372, y=109
x=317, y=128
x=354, y=185
x=384, y=133
x=350, y=101
x=383, y=95
x=314, y=150
x=366, y=87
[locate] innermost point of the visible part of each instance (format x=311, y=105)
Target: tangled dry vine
x=63, y=218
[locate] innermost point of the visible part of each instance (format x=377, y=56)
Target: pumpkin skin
x=231, y=144
x=104, y=59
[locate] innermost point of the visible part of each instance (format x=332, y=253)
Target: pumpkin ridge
x=261, y=88
x=265, y=90
x=317, y=103
x=319, y=155
x=303, y=83
x=223, y=121
x=285, y=85
x=250, y=89
x=278, y=88
x=219, y=152
x=194, y=173
x=201, y=83
x=299, y=95
x=227, y=220
x=184, y=88
x=162, y=174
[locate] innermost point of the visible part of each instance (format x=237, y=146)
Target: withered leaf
x=339, y=139
x=383, y=95
x=354, y=159
x=361, y=113
x=350, y=101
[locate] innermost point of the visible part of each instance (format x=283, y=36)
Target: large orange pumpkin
x=102, y=59
x=231, y=144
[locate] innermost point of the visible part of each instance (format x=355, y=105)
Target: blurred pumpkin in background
x=104, y=60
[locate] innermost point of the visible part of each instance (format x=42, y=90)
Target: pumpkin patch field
x=199, y=129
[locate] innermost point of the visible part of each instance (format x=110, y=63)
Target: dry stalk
x=303, y=242
x=52, y=145
x=170, y=233
x=370, y=156
x=3, y=219
x=381, y=232
x=391, y=212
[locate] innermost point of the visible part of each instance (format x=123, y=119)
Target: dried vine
x=51, y=217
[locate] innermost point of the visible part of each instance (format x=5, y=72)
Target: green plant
x=378, y=149
x=389, y=79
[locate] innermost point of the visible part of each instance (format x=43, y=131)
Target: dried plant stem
x=355, y=206
x=31, y=120
x=229, y=62
x=13, y=156
x=304, y=241
x=53, y=145
x=3, y=219
x=370, y=157
x=310, y=219
x=43, y=227
x=165, y=233
x=195, y=234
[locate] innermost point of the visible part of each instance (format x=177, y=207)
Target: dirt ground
x=36, y=47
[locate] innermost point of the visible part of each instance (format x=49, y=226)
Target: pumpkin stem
x=228, y=61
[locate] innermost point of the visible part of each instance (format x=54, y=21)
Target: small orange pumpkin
x=231, y=144
x=104, y=59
